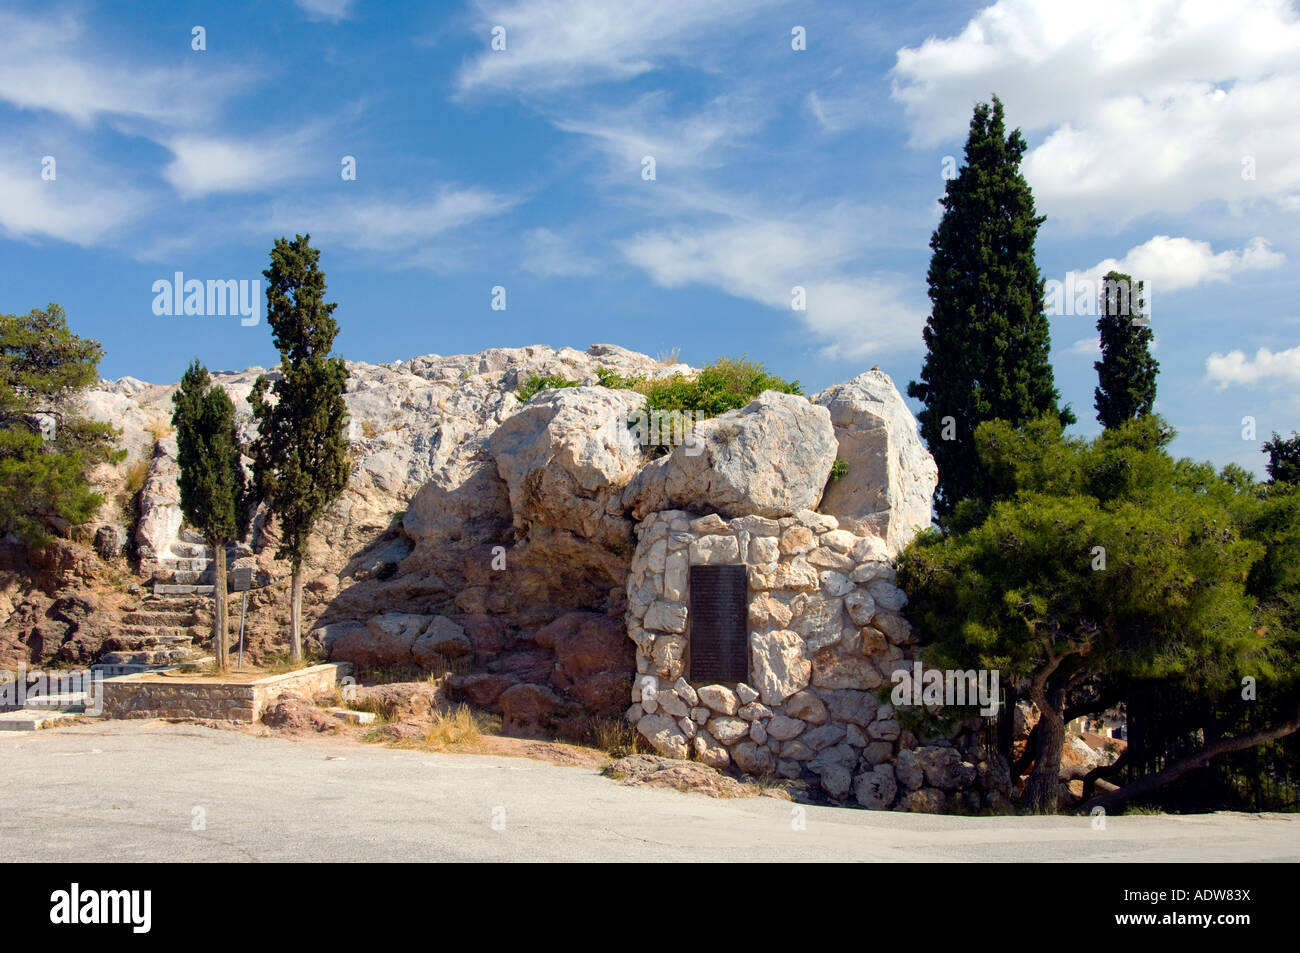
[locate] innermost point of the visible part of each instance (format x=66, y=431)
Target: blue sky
x=1164, y=137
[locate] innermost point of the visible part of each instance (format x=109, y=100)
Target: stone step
x=113, y=671
x=26, y=719
x=62, y=701
x=183, y=577
x=156, y=633
x=146, y=657
x=144, y=643
x=176, y=589
x=153, y=618
x=187, y=535
x=185, y=565
x=352, y=717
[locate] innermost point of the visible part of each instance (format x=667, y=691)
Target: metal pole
x=243, y=606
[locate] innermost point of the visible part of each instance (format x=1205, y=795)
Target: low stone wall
x=149, y=696
x=825, y=638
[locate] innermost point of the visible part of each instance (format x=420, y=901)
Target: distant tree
x=212, y=484
x=1126, y=373
x=47, y=447
x=300, y=456
x=1283, y=458
x=987, y=337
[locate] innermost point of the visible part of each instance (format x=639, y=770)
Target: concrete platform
x=27, y=719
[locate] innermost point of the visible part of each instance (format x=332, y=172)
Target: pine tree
x=987, y=337
x=46, y=446
x=300, y=457
x=1126, y=373
x=212, y=484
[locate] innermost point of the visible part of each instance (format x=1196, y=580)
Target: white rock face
x=770, y=458
x=891, y=477
x=566, y=456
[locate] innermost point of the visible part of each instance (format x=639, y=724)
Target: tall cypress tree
x=300, y=457
x=987, y=337
x=1126, y=373
x=212, y=484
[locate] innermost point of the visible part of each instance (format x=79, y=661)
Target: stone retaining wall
x=825, y=638
x=150, y=696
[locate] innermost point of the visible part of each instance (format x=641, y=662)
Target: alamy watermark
x=950, y=687
x=227, y=296
x=1083, y=296
x=39, y=689
x=77, y=906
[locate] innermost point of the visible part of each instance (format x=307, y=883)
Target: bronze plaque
x=719, y=624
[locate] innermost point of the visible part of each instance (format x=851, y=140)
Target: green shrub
x=535, y=385
x=838, y=469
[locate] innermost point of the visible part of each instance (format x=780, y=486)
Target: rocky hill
x=478, y=533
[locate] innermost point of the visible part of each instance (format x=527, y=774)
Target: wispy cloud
x=53, y=64
x=763, y=260
x=84, y=204
x=553, y=44
x=332, y=10
x=549, y=255
x=201, y=165
x=392, y=223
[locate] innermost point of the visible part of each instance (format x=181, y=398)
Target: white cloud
x=551, y=44
x=1266, y=366
x=1169, y=264
x=392, y=224
x=691, y=141
x=762, y=260
x=56, y=65
x=549, y=255
x=82, y=207
x=201, y=164
x=1085, y=347
x=1149, y=105
x=332, y=10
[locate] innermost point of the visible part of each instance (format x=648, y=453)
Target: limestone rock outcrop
x=770, y=458
x=890, y=481
x=542, y=554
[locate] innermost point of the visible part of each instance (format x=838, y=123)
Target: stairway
x=161, y=632
x=187, y=569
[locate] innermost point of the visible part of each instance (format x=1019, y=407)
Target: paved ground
x=138, y=791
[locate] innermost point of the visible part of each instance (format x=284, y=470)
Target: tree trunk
x=295, y=615
x=219, y=625
x=1042, y=790
x=1197, y=759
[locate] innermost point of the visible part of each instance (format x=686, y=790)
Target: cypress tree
x=212, y=484
x=1126, y=373
x=987, y=337
x=300, y=458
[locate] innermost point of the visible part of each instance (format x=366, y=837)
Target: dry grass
x=136, y=475
x=459, y=729
x=669, y=357
x=616, y=737
x=158, y=428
